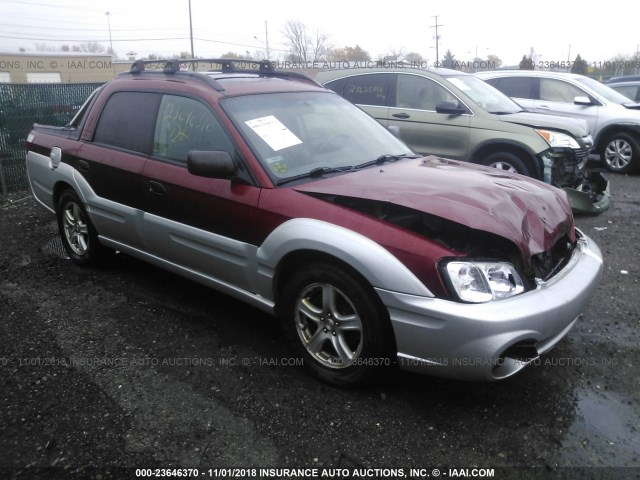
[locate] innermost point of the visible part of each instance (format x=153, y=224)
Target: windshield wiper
x=320, y=171
x=387, y=157
x=315, y=173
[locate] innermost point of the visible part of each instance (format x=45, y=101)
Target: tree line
x=305, y=46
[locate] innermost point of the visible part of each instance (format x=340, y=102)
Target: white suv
x=614, y=120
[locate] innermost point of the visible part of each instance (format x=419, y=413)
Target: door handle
x=543, y=107
x=83, y=166
x=401, y=115
x=157, y=188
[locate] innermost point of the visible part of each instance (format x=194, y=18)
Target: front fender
x=375, y=263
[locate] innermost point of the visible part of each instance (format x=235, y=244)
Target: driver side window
x=185, y=124
x=553, y=90
x=421, y=93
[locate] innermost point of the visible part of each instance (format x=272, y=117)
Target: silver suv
x=614, y=120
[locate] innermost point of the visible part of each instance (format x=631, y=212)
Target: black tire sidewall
x=377, y=334
x=508, y=157
x=90, y=257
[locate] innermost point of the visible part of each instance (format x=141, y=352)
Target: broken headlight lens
x=479, y=282
x=557, y=139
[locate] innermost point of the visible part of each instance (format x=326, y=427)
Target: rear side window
x=185, y=124
x=370, y=89
x=128, y=120
x=518, y=87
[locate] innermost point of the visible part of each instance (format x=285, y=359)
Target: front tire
x=336, y=323
x=79, y=237
x=508, y=162
x=621, y=153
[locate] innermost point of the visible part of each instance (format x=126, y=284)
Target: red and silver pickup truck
x=276, y=191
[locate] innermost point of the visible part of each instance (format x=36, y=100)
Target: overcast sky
x=555, y=29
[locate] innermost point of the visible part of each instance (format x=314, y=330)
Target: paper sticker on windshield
x=273, y=132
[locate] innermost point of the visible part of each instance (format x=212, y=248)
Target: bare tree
x=92, y=47
x=43, y=47
x=413, y=57
x=494, y=62
x=236, y=55
x=303, y=46
x=393, y=56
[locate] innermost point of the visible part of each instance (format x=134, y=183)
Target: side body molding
x=376, y=264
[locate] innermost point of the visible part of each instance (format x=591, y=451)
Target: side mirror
x=211, y=164
x=450, y=108
x=395, y=130
x=582, y=101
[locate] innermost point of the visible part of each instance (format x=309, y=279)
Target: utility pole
x=109, y=24
x=266, y=37
x=437, y=38
x=191, y=32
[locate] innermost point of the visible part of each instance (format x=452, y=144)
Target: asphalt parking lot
x=128, y=366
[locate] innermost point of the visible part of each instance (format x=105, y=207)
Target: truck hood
x=531, y=214
x=576, y=127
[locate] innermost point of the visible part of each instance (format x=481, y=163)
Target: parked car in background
x=630, y=89
x=613, y=119
x=624, y=78
x=267, y=187
x=455, y=115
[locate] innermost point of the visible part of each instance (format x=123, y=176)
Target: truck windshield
x=300, y=132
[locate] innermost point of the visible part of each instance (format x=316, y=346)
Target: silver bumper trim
x=468, y=341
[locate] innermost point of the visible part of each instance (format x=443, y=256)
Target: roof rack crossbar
x=226, y=65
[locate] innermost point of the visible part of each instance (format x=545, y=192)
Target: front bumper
x=592, y=196
x=566, y=168
x=494, y=340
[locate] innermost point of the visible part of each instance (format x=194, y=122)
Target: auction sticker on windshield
x=273, y=132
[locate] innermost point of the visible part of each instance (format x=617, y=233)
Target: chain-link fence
x=23, y=105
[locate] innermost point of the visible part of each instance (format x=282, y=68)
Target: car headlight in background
x=479, y=282
x=557, y=139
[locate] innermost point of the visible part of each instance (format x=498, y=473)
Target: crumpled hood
x=532, y=214
x=575, y=126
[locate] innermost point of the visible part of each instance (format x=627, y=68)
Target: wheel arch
x=526, y=154
x=60, y=187
x=301, y=240
x=609, y=130
x=292, y=261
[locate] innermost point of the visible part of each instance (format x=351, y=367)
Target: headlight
x=557, y=139
x=479, y=282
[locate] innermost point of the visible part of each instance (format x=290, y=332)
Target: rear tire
x=621, y=153
x=337, y=324
x=79, y=237
x=508, y=162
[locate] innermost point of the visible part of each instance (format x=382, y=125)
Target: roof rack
x=223, y=65
x=227, y=65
